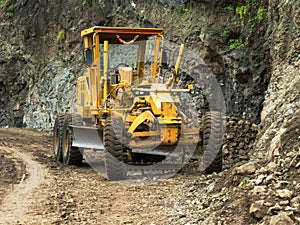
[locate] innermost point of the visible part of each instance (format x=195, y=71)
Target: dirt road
x=22, y=196
x=37, y=190
x=34, y=189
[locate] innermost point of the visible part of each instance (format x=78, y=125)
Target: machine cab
x=117, y=58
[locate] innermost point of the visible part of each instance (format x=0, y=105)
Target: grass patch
x=242, y=183
x=261, y=13
x=10, y=11
x=61, y=35
x=3, y=3
x=235, y=44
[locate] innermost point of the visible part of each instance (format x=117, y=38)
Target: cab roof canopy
x=109, y=33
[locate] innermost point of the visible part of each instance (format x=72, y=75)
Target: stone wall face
x=280, y=117
x=46, y=51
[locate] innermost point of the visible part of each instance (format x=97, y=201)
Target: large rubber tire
x=57, y=137
x=113, y=153
x=212, y=142
x=71, y=155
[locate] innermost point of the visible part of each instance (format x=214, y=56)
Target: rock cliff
x=42, y=50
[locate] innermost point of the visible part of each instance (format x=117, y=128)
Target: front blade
x=87, y=137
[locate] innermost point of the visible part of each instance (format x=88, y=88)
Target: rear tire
x=113, y=154
x=57, y=137
x=71, y=155
x=212, y=140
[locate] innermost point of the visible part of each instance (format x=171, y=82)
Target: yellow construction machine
x=127, y=108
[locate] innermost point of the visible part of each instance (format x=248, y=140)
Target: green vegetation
x=9, y=14
x=261, y=13
x=243, y=182
x=45, y=37
x=11, y=8
x=185, y=10
x=10, y=11
x=242, y=24
x=181, y=9
x=3, y=3
x=226, y=32
x=60, y=35
x=84, y=2
x=229, y=8
x=241, y=11
x=235, y=44
x=252, y=25
x=37, y=5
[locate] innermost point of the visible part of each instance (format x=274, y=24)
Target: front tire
x=212, y=140
x=113, y=154
x=71, y=155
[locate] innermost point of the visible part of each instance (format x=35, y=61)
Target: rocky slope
x=42, y=50
x=280, y=127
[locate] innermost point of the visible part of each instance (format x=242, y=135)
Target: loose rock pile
x=238, y=141
x=248, y=193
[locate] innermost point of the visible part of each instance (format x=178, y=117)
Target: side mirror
x=88, y=57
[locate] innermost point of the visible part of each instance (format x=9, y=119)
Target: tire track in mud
x=15, y=203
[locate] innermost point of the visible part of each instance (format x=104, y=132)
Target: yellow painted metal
x=93, y=83
x=154, y=67
x=135, y=30
x=156, y=105
x=105, y=59
x=96, y=49
x=83, y=97
x=177, y=65
x=87, y=31
x=169, y=121
x=161, y=54
x=145, y=134
x=169, y=109
x=190, y=86
x=169, y=134
x=179, y=59
x=96, y=56
x=159, y=94
x=88, y=42
x=147, y=115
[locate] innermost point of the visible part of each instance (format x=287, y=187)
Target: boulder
x=257, y=209
x=284, y=193
x=281, y=219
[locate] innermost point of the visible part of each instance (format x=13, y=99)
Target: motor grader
x=129, y=110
